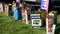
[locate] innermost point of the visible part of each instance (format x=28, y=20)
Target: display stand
x=50, y=22
x=36, y=20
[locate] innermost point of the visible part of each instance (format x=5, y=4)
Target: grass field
x=8, y=25
x=58, y=25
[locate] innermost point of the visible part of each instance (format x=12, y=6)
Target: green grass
x=58, y=25
x=58, y=19
x=8, y=25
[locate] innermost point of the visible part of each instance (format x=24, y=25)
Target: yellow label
x=35, y=14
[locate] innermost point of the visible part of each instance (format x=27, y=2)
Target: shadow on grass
x=57, y=31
